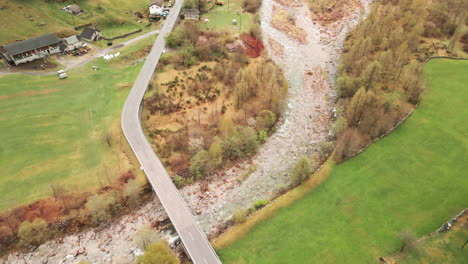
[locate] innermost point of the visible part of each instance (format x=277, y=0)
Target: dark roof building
x=90, y=34
x=32, y=49
x=32, y=44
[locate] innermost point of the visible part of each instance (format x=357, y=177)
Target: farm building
x=71, y=43
x=191, y=14
x=32, y=49
x=90, y=34
x=156, y=7
x=72, y=9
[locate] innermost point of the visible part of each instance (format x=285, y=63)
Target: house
x=32, y=49
x=71, y=43
x=191, y=14
x=156, y=7
x=90, y=34
x=231, y=47
x=72, y=9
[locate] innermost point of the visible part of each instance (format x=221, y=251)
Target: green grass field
x=115, y=18
x=415, y=178
x=220, y=17
x=56, y=131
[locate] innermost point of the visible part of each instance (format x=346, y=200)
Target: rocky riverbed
x=311, y=70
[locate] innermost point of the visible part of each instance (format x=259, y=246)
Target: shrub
x=251, y=6
x=132, y=191
x=216, y=154
x=260, y=204
x=33, y=234
x=249, y=141
x=409, y=241
x=262, y=136
x=240, y=216
x=199, y=164
x=158, y=253
x=266, y=120
x=178, y=181
x=144, y=237
x=301, y=171
x=99, y=206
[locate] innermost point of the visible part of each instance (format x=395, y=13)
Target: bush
x=240, y=216
x=301, y=171
x=158, y=253
x=178, y=181
x=199, y=164
x=216, y=154
x=242, y=142
x=260, y=204
x=266, y=119
x=99, y=206
x=252, y=6
x=132, y=191
x=33, y=234
x=145, y=237
x=262, y=136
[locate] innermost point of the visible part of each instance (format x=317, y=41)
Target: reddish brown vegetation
x=64, y=212
x=253, y=46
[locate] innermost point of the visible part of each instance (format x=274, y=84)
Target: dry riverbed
x=310, y=67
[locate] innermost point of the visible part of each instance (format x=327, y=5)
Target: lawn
x=412, y=179
x=220, y=17
x=64, y=131
x=20, y=21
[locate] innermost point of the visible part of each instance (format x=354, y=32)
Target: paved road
x=193, y=238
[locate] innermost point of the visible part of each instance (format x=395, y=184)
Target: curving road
x=196, y=244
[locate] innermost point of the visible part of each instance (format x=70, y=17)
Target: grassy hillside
x=412, y=179
x=63, y=131
x=19, y=19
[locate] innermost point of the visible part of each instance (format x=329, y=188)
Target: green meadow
x=414, y=179
x=19, y=19
x=66, y=131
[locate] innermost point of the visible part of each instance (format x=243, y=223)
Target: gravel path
x=311, y=69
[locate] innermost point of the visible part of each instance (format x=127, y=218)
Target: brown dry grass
x=238, y=231
x=281, y=21
x=31, y=93
x=329, y=11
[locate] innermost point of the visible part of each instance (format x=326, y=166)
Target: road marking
x=191, y=236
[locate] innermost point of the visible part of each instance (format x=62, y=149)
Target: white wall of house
x=33, y=56
x=155, y=10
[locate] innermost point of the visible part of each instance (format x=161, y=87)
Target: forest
x=380, y=74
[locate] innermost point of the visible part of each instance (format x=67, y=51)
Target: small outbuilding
x=71, y=43
x=90, y=34
x=72, y=9
x=191, y=14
